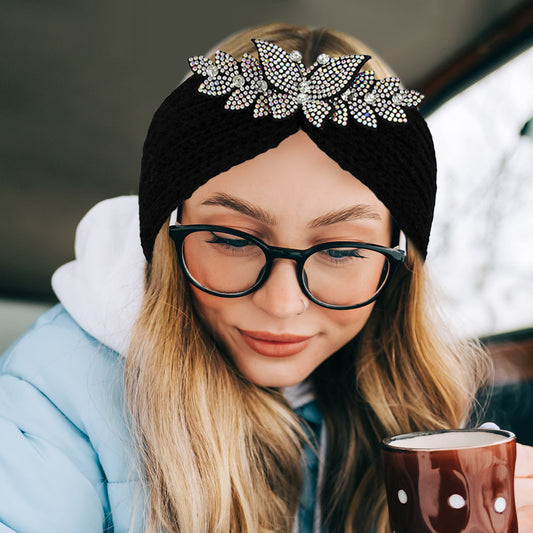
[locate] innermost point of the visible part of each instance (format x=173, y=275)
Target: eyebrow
x=356, y=212
x=241, y=206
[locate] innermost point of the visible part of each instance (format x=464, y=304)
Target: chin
x=278, y=378
x=277, y=383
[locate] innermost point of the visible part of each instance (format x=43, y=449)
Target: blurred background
x=81, y=80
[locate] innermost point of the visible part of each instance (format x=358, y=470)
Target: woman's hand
x=523, y=487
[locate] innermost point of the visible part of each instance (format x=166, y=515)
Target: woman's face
x=292, y=196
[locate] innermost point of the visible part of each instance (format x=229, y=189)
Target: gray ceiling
x=81, y=80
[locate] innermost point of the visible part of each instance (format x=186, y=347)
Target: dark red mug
x=451, y=481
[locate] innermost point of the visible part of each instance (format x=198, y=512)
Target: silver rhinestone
x=295, y=56
x=238, y=80
x=302, y=98
x=397, y=99
x=261, y=85
x=370, y=98
x=211, y=70
x=304, y=87
x=323, y=59
x=349, y=95
x=353, y=96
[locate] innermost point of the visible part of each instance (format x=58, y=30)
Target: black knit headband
x=371, y=128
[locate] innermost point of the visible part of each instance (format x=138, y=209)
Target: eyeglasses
x=231, y=263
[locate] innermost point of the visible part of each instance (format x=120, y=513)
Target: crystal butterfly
x=279, y=84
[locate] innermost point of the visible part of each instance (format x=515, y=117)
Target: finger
x=525, y=519
x=523, y=490
x=524, y=461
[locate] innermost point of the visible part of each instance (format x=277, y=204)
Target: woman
x=285, y=327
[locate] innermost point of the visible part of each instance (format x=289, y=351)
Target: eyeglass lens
x=227, y=263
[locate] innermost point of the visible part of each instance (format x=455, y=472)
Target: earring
x=305, y=302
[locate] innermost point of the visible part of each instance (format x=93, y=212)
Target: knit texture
x=192, y=138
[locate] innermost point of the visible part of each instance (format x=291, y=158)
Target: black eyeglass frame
x=178, y=233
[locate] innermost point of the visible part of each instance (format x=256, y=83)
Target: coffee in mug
x=451, y=481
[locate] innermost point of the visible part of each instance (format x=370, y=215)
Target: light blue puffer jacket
x=64, y=458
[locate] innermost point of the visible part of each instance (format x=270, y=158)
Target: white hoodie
x=102, y=288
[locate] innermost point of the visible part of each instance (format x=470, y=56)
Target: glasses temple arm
x=402, y=242
x=174, y=217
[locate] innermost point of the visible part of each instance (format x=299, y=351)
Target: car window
x=481, y=249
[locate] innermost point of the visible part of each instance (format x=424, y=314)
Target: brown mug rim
x=510, y=436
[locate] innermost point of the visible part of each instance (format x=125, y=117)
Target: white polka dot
x=500, y=504
x=402, y=496
x=456, y=501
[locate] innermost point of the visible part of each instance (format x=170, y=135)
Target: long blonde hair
x=221, y=454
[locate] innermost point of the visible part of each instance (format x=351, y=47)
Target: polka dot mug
x=451, y=481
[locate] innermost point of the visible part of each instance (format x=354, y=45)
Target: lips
x=273, y=345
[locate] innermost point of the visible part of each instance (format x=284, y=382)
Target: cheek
x=343, y=326
x=219, y=313
x=207, y=306
x=351, y=319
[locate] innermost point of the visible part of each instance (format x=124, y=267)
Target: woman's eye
x=338, y=254
x=226, y=241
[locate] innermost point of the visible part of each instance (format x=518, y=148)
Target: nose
x=281, y=295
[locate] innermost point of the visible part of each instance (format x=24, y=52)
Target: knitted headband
x=370, y=127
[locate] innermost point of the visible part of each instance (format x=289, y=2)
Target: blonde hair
x=219, y=453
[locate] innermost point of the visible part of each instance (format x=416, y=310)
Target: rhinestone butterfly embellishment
x=279, y=84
